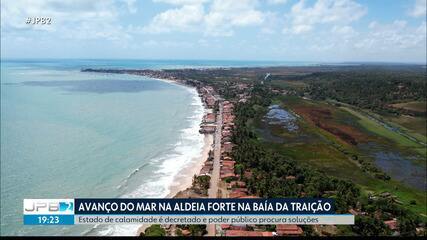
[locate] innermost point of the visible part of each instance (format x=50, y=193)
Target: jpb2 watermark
x=39, y=20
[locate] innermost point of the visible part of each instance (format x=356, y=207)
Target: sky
x=275, y=30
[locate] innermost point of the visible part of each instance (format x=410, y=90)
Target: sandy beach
x=184, y=178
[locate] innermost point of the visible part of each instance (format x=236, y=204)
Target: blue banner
x=205, y=206
x=48, y=219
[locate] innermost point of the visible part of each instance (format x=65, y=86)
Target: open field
x=324, y=141
x=294, y=85
x=380, y=130
x=415, y=125
x=416, y=106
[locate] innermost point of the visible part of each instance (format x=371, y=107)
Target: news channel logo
x=48, y=206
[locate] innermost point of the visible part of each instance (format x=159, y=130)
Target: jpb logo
x=65, y=206
x=45, y=206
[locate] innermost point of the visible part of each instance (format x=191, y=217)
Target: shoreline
x=184, y=178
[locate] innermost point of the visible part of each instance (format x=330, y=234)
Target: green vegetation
x=324, y=157
x=155, y=230
x=341, y=113
x=414, y=126
x=195, y=230
x=375, y=90
x=322, y=150
x=394, y=96
x=270, y=169
x=287, y=84
x=369, y=226
x=379, y=211
x=277, y=169
x=201, y=184
x=332, y=135
x=415, y=106
x=380, y=130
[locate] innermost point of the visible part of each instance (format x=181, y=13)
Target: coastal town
x=221, y=176
x=219, y=167
x=213, y=118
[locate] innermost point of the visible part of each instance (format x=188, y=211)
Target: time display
x=48, y=219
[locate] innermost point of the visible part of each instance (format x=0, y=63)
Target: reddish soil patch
x=323, y=118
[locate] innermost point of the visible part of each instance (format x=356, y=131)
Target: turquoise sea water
x=68, y=134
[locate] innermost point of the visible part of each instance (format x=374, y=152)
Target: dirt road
x=213, y=190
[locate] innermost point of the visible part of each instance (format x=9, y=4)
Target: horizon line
x=224, y=60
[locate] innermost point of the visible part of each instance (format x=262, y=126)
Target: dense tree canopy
x=374, y=90
x=273, y=175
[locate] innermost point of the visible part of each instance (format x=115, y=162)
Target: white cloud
x=301, y=28
x=318, y=29
x=372, y=24
x=419, y=8
x=304, y=18
x=397, y=35
x=346, y=32
x=179, y=19
x=273, y=2
x=224, y=15
x=78, y=19
x=422, y=29
x=322, y=47
x=272, y=24
x=220, y=19
x=182, y=2
x=397, y=41
x=131, y=5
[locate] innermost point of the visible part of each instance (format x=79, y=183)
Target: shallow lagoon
x=278, y=116
x=401, y=168
x=398, y=165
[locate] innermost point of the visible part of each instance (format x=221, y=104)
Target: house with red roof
x=241, y=233
x=392, y=224
x=288, y=230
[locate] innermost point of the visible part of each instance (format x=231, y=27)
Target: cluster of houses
x=237, y=188
x=208, y=125
x=227, y=163
x=241, y=92
x=243, y=230
x=392, y=222
x=208, y=166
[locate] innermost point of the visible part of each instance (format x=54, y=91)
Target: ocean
x=69, y=134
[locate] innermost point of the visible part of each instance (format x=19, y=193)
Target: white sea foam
x=188, y=148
